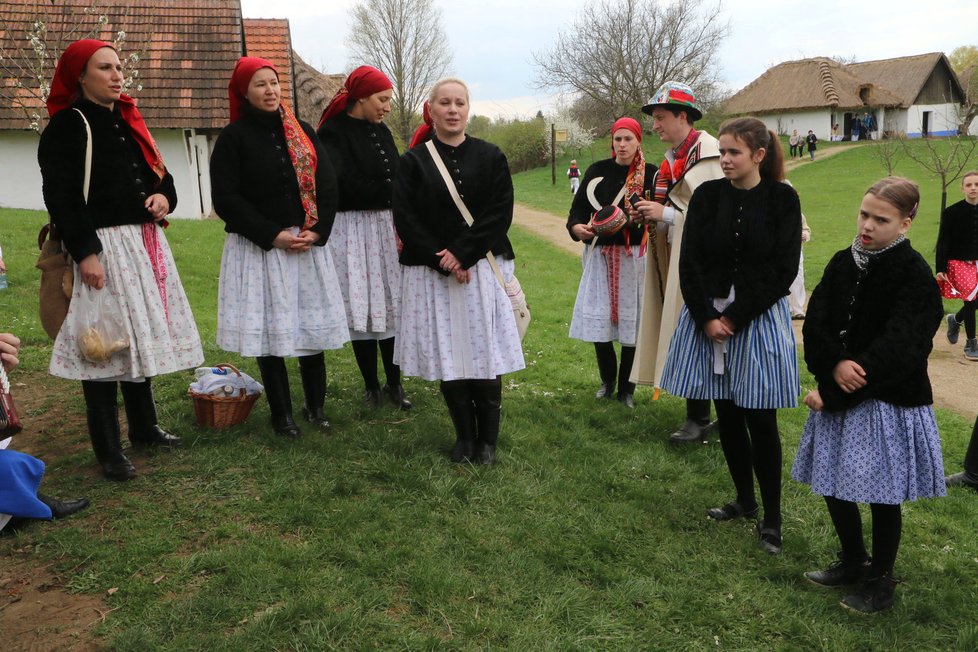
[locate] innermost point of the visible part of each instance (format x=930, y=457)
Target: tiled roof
x=269, y=38
x=187, y=50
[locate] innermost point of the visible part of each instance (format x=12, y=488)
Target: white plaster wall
x=818, y=121
x=943, y=120
x=20, y=175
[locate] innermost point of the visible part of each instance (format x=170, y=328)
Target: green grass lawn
x=589, y=534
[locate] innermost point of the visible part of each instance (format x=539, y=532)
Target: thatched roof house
x=186, y=51
x=915, y=95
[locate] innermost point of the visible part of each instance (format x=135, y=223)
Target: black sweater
x=364, y=158
x=254, y=185
x=750, y=239
x=427, y=219
x=958, y=236
x=120, y=183
x=612, y=179
x=884, y=319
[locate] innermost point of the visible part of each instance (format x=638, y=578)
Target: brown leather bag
x=57, y=281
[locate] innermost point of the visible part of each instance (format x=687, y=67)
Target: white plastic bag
x=102, y=332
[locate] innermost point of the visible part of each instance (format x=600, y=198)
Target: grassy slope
x=589, y=535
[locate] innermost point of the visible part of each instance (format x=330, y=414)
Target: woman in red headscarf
x=275, y=189
x=109, y=218
x=609, y=298
x=363, y=241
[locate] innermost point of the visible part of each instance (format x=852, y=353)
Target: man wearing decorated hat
x=692, y=158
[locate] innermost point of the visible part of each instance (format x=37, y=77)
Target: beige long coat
x=660, y=310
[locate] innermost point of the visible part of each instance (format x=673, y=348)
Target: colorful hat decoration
x=677, y=94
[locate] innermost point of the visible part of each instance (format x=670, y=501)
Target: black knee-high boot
x=488, y=395
x=103, y=429
x=626, y=390
x=365, y=351
x=607, y=368
x=458, y=398
x=312, y=369
x=275, y=378
x=393, y=388
x=144, y=429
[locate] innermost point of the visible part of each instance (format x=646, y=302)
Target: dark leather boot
x=488, y=397
x=458, y=398
x=312, y=368
x=103, y=429
x=626, y=390
x=607, y=368
x=141, y=415
x=697, y=425
x=393, y=388
x=876, y=594
x=62, y=508
x=275, y=378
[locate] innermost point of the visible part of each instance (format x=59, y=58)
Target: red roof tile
x=269, y=38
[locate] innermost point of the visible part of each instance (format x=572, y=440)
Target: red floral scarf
x=304, y=160
x=672, y=172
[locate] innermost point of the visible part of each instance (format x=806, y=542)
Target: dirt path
x=949, y=371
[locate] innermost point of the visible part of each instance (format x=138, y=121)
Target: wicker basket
x=223, y=411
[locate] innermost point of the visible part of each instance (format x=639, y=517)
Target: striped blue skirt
x=760, y=364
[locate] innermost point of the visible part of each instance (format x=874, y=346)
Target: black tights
x=365, y=351
x=887, y=526
x=608, y=367
x=966, y=316
x=752, y=446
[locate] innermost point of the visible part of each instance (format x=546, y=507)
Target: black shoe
x=140, y=406
x=876, y=594
x=691, y=432
x=628, y=400
x=484, y=454
x=963, y=479
x=316, y=417
x=768, y=539
x=463, y=451
x=397, y=396
x=285, y=426
x=840, y=572
x=953, y=329
x=732, y=510
x=607, y=390
x=154, y=437
x=117, y=467
x=373, y=398
x=62, y=508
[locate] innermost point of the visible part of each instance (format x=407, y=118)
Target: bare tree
x=27, y=60
x=889, y=151
x=618, y=52
x=945, y=158
x=405, y=39
x=964, y=61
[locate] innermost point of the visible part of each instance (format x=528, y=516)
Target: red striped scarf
x=669, y=173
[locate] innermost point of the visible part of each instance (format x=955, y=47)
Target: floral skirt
x=452, y=331
x=364, y=250
x=875, y=452
x=591, y=321
x=278, y=302
x=161, y=340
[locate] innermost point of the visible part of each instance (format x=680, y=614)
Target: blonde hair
x=446, y=80
x=969, y=173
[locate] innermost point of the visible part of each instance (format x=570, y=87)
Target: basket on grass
x=223, y=411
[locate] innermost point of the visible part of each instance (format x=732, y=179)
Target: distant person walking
x=574, y=174
x=794, y=142
x=957, y=262
x=811, y=139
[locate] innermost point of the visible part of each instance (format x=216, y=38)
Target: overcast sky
x=492, y=41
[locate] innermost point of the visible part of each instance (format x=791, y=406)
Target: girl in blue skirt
x=871, y=436
x=734, y=342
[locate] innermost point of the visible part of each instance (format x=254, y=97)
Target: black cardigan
x=254, y=185
x=605, y=192
x=426, y=218
x=120, y=183
x=364, y=158
x=750, y=239
x=884, y=319
x=958, y=236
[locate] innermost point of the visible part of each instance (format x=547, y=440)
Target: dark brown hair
x=899, y=192
x=755, y=134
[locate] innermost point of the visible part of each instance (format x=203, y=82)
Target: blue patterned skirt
x=760, y=369
x=875, y=452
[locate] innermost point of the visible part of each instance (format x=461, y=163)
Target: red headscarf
x=302, y=151
x=427, y=127
x=65, y=89
x=627, y=123
x=362, y=82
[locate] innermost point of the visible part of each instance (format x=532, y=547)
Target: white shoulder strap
x=88, y=155
x=462, y=208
